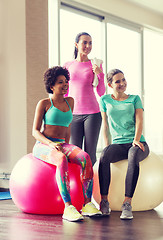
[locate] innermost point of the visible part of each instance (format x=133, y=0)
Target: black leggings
x=117, y=152
x=86, y=127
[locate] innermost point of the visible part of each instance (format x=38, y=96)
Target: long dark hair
x=77, y=40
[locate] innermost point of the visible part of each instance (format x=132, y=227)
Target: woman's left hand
x=57, y=146
x=139, y=144
x=96, y=69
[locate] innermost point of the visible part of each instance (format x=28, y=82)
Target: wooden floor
x=15, y=225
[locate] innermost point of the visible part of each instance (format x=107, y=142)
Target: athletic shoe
x=71, y=214
x=90, y=210
x=104, y=207
x=126, y=211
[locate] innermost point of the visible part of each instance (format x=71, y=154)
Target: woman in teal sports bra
x=51, y=129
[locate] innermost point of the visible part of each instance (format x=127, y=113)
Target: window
x=70, y=25
x=124, y=53
x=153, y=82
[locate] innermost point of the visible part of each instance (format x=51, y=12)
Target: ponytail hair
x=111, y=74
x=77, y=40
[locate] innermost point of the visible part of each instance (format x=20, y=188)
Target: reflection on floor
x=16, y=225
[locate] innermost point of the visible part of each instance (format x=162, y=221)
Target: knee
x=58, y=159
x=104, y=158
x=136, y=155
x=88, y=159
x=88, y=166
x=62, y=163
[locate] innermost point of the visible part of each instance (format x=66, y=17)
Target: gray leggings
x=86, y=128
x=117, y=152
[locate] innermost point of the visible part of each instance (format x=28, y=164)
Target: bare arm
x=105, y=128
x=37, y=123
x=71, y=103
x=138, y=128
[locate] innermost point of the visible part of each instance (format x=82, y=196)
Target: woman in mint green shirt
x=122, y=115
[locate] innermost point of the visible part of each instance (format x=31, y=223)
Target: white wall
x=23, y=59
x=13, y=82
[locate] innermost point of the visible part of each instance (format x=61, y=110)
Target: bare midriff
x=54, y=131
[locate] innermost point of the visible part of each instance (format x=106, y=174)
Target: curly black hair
x=111, y=73
x=50, y=76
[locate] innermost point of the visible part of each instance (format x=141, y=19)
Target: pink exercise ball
x=34, y=189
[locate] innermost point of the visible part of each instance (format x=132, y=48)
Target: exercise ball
x=34, y=189
x=148, y=193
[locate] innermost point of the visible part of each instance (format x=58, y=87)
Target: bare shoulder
x=70, y=101
x=44, y=103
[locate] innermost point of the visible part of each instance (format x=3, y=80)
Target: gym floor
x=16, y=225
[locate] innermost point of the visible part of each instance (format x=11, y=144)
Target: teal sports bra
x=54, y=116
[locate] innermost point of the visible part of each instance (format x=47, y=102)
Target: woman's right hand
x=139, y=144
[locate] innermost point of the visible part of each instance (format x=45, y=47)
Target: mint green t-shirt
x=121, y=117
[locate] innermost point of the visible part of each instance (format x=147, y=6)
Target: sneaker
x=90, y=210
x=104, y=207
x=71, y=214
x=126, y=211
